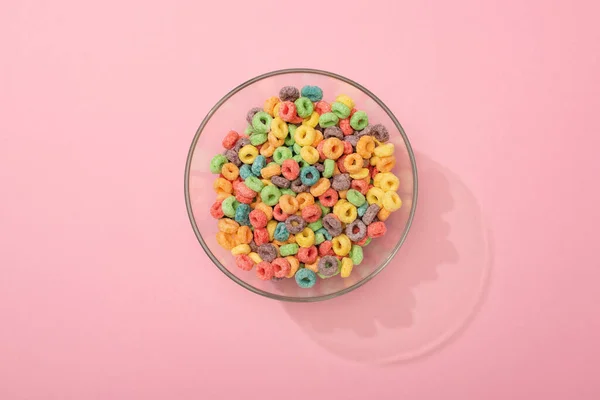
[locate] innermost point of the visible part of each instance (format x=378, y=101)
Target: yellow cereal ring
x=342, y=194
x=279, y=128
x=391, y=201
x=346, y=267
x=230, y=171
x=227, y=225
x=386, y=164
x=273, y=140
x=346, y=100
x=288, y=204
x=306, y=238
x=291, y=239
x=271, y=225
x=225, y=240
x=295, y=264
x=374, y=160
x=320, y=187
x=255, y=257
x=305, y=135
x=336, y=169
x=333, y=148
x=223, y=195
x=386, y=181
x=270, y=104
x=353, y=162
x=222, y=185
x=383, y=214
x=270, y=171
x=305, y=199
x=313, y=120
x=365, y=146
x=266, y=209
x=384, y=150
x=240, y=249
x=309, y=154
x=375, y=196
x=276, y=109
x=267, y=149
x=318, y=138
x=243, y=235
x=362, y=174
x=248, y=153
x=345, y=211
x=341, y=245
x=314, y=267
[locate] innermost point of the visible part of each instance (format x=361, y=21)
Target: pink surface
x=106, y=294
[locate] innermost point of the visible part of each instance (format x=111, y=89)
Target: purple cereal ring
x=267, y=252
x=280, y=181
x=333, y=131
x=356, y=230
x=241, y=142
x=289, y=93
x=295, y=224
x=233, y=157
x=352, y=139
x=371, y=214
x=253, y=246
x=298, y=187
x=380, y=133
x=367, y=131
x=320, y=167
x=332, y=224
x=328, y=265
x=341, y=182
x=251, y=113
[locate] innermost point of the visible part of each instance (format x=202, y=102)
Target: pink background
x=106, y=294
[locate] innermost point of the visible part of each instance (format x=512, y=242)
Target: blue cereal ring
x=305, y=278
x=324, y=232
x=259, y=163
x=309, y=175
x=362, y=209
x=246, y=171
x=281, y=233
x=242, y=214
x=314, y=93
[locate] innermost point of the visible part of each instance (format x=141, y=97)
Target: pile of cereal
x=305, y=189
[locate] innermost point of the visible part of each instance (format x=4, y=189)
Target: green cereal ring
x=324, y=210
x=297, y=148
x=289, y=140
x=354, y=196
x=367, y=242
x=304, y=107
x=298, y=158
x=261, y=122
x=287, y=191
x=356, y=254
x=288, y=249
x=319, y=238
x=258, y=138
x=359, y=120
x=315, y=226
x=328, y=119
x=217, y=163
x=249, y=130
x=229, y=205
x=281, y=154
x=328, y=168
x=254, y=183
x=292, y=129
x=340, y=109
x=270, y=195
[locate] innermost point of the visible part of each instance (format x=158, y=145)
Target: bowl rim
x=199, y=235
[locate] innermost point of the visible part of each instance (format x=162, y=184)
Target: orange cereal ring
x=227, y=225
x=353, y=163
x=383, y=214
x=318, y=138
x=243, y=235
x=267, y=150
x=365, y=146
x=386, y=164
x=342, y=194
x=230, y=171
x=294, y=265
x=222, y=185
x=333, y=148
x=305, y=199
x=270, y=171
x=270, y=104
x=320, y=187
x=266, y=209
x=225, y=240
x=274, y=140
x=289, y=204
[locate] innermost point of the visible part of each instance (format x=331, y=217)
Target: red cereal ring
x=245, y=191
x=258, y=218
x=362, y=241
x=352, y=111
x=230, y=139
x=376, y=229
x=281, y=267
x=297, y=120
x=361, y=185
x=290, y=169
x=348, y=148
x=244, y=136
x=244, y=199
x=216, y=211
x=312, y=213
x=320, y=150
x=340, y=164
x=329, y=198
x=374, y=172
x=322, y=107
x=264, y=270
x=261, y=236
x=345, y=126
x=326, y=249
x=287, y=111
x=244, y=262
x=308, y=255
x=278, y=213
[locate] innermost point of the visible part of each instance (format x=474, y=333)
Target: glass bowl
x=230, y=113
